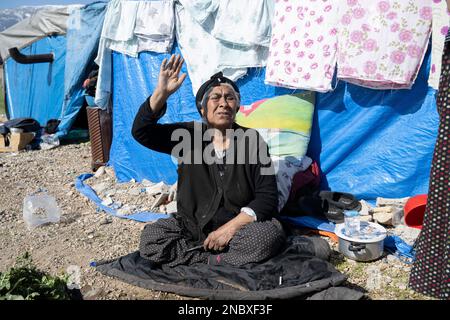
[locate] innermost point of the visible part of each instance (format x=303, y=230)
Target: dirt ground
x=84, y=234
x=80, y=237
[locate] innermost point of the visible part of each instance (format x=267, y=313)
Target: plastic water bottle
x=352, y=223
x=39, y=209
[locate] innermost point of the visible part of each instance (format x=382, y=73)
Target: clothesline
x=378, y=45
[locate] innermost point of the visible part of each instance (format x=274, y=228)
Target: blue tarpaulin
x=133, y=82
x=371, y=143
x=83, y=34
x=45, y=91
x=376, y=143
x=36, y=90
x=88, y=192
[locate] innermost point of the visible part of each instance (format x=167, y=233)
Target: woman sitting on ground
x=227, y=192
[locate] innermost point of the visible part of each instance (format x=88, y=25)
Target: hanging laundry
x=206, y=55
x=251, y=38
x=121, y=20
x=440, y=25
x=117, y=34
x=121, y=33
x=155, y=26
x=302, y=52
x=382, y=43
x=131, y=27
x=244, y=22
x=103, y=59
x=203, y=11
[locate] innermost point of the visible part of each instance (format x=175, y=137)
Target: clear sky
x=17, y=3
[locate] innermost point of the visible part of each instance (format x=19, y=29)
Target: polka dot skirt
x=255, y=242
x=430, y=274
x=162, y=242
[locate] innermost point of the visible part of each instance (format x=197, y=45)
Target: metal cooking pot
x=367, y=246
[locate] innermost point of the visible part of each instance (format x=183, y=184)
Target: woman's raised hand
x=169, y=79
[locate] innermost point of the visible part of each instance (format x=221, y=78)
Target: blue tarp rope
x=90, y=194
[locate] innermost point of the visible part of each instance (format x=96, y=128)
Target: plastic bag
x=49, y=141
x=39, y=209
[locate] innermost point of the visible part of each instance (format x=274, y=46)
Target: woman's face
x=222, y=105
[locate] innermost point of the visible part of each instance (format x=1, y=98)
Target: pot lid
x=369, y=232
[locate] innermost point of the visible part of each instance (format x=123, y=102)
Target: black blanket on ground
x=295, y=273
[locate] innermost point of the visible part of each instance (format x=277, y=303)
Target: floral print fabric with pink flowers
x=381, y=44
x=303, y=47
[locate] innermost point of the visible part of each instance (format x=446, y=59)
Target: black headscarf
x=214, y=81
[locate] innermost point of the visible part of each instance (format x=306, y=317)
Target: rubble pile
x=133, y=197
x=390, y=214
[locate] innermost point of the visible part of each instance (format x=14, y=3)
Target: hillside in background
x=9, y=17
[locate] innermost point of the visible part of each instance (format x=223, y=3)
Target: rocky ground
x=85, y=234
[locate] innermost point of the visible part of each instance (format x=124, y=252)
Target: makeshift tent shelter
x=371, y=143
x=368, y=142
x=50, y=88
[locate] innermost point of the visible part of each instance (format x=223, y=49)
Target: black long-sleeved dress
x=205, y=200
